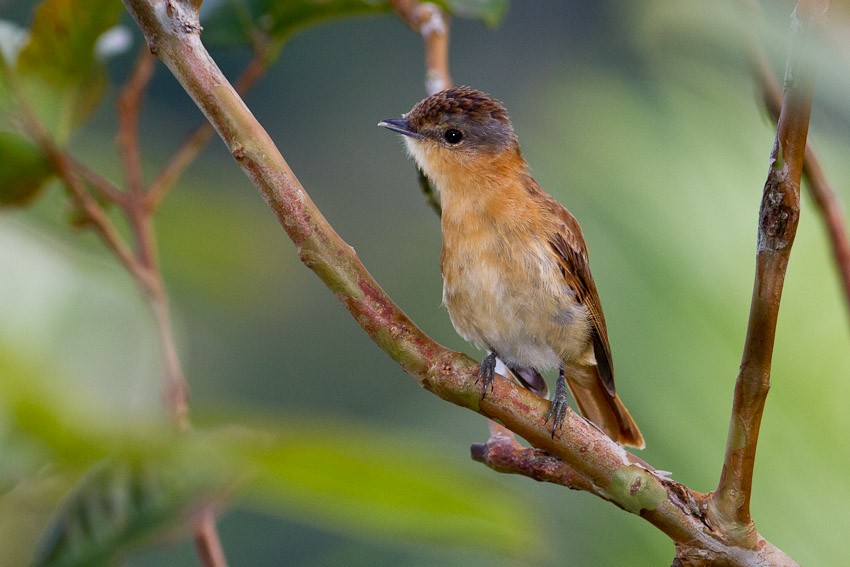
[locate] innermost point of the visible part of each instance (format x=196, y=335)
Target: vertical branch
x=778, y=217
x=137, y=208
x=129, y=104
x=432, y=23
x=826, y=200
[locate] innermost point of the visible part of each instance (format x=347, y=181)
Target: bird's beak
x=399, y=125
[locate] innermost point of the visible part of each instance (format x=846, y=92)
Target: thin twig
x=432, y=23
x=778, y=217
x=129, y=104
x=832, y=211
x=208, y=543
x=139, y=214
x=95, y=216
x=105, y=187
x=826, y=199
x=174, y=34
x=128, y=110
x=198, y=138
x=503, y=453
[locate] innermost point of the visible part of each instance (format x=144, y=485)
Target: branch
x=105, y=187
x=94, y=214
x=428, y=20
x=173, y=33
x=825, y=198
x=129, y=105
x=433, y=24
x=202, y=134
x=778, y=217
x=139, y=214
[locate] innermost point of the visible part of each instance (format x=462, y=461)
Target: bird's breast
x=504, y=292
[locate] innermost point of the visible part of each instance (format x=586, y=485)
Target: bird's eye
x=453, y=136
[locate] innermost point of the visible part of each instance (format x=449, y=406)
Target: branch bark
x=172, y=30
x=729, y=505
x=826, y=199
x=432, y=23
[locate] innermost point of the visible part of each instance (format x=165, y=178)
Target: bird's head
x=458, y=127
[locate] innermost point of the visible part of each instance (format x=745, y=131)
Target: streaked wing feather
x=572, y=254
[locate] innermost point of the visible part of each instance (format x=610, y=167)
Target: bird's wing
x=572, y=256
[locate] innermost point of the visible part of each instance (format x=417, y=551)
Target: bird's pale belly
x=518, y=307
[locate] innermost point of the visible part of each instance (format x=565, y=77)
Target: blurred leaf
x=212, y=267
x=490, y=12
x=57, y=66
x=113, y=42
x=369, y=484
x=345, y=477
x=26, y=509
x=114, y=507
x=24, y=169
x=235, y=21
x=12, y=38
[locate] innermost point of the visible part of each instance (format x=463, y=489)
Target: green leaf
x=58, y=68
x=24, y=170
x=490, y=12
x=12, y=38
x=345, y=477
x=236, y=21
x=116, y=506
x=371, y=484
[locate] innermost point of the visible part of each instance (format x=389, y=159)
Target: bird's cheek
x=417, y=150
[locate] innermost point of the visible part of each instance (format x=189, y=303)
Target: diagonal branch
x=780, y=211
x=172, y=30
x=825, y=197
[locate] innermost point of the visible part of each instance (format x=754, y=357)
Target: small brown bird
x=516, y=279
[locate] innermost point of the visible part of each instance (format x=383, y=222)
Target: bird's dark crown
x=460, y=101
x=482, y=120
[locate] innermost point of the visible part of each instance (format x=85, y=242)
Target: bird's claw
x=558, y=410
x=487, y=373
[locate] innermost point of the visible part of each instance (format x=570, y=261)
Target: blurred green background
x=640, y=117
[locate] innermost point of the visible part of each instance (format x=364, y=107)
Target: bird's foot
x=487, y=373
x=558, y=411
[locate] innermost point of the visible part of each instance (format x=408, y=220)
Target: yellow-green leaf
x=24, y=170
x=58, y=67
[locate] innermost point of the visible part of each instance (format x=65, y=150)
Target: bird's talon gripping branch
x=487, y=373
x=558, y=411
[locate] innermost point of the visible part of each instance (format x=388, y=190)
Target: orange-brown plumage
x=516, y=279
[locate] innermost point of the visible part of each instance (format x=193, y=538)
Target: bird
x=514, y=262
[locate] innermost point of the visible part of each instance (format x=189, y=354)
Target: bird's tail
x=602, y=408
